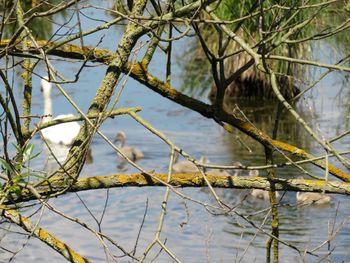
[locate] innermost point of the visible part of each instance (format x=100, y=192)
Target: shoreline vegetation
x=251, y=81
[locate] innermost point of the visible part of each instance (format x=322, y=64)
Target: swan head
x=253, y=173
x=120, y=137
x=46, y=86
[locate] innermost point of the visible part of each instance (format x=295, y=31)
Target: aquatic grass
x=279, y=18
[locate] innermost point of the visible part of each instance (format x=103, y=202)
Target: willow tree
x=258, y=42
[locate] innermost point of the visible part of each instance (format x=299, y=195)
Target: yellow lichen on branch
x=304, y=155
x=49, y=189
x=44, y=236
x=67, y=50
x=218, y=181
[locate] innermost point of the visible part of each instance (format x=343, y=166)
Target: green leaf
x=18, y=166
x=16, y=189
x=34, y=156
x=6, y=166
x=17, y=148
x=28, y=152
x=24, y=175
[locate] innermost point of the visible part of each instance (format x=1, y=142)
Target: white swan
x=259, y=193
x=63, y=133
x=313, y=198
x=132, y=153
x=187, y=166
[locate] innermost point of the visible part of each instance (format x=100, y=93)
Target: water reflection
x=263, y=115
x=298, y=227
x=55, y=156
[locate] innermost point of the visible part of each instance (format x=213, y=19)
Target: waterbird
x=259, y=193
x=132, y=153
x=63, y=133
x=307, y=198
x=187, y=166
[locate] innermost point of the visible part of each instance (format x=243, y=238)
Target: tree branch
x=44, y=236
x=49, y=189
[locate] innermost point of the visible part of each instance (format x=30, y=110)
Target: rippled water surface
x=192, y=233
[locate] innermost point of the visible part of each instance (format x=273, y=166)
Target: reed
x=267, y=38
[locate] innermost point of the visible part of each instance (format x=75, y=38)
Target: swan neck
x=47, y=108
x=121, y=142
x=176, y=157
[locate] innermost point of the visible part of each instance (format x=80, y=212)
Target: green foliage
x=26, y=154
x=14, y=169
x=277, y=18
x=6, y=166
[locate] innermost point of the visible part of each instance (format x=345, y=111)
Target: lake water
x=191, y=232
